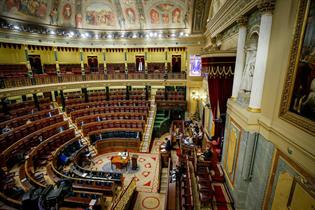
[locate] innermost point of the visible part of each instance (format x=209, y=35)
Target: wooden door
x=36, y=64
x=140, y=63
x=93, y=63
x=176, y=63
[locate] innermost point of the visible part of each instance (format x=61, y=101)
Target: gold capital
x=266, y=6
x=242, y=21
x=254, y=110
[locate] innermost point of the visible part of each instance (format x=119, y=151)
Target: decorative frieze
x=229, y=13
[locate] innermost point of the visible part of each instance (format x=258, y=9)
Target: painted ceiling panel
x=102, y=14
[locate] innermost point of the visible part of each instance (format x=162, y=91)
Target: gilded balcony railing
x=123, y=199
x=45, y=79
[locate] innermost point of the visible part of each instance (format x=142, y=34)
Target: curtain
x=220, y=90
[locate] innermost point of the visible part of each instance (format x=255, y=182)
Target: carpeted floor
x=152, y=201
x=147, y=173
x=157, y=142
x=221, y=196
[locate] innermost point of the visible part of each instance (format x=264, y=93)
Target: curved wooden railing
x=93, y=126
x=103, y=110
x=123, y=199
x=111, y=116
x=19, y=121
x=22, y=144
x=116, y=103
x=53, y=79
x=8, y=139
x=56, y=175
x=57, y=139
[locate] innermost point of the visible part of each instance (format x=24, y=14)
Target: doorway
x=93, y=63
x=36, y=64
x=140, y=63
x=176, y=63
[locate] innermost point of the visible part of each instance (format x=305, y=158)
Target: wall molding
x=48, y=40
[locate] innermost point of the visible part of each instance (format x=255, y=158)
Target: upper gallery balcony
x=45, y=79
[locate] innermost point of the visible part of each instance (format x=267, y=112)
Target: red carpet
x=222, y=198
x=218, y=175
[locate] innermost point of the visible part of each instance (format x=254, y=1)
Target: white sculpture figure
x=249, y=68
x=140, y=67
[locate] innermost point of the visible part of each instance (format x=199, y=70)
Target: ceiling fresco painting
x=102, y=14
x=99, y=15
x=37, y=10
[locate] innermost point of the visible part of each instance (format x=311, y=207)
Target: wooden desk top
x=117, y=159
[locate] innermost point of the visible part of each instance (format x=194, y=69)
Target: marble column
x=28, y=65
x=81, y=62
x=166, y=59
x=266, y=7
x=240, y=56
x=126, y=65
x=186, y=60
x=146, y=63
x=104, y=61
x=146, y=59
x=57, y=62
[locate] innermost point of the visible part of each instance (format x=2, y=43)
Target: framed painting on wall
x=298, y=98
x=233, y=141
x=302, y=195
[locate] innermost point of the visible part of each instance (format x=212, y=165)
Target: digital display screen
x=195, y=65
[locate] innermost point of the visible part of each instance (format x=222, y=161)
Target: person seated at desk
x=207, y=154
x=60, y=129
x=179, y=137
x=187, y=123
x=168, y=146
x=196, y=128
x=124, y=154
x=188, y=141
x=6, y=129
